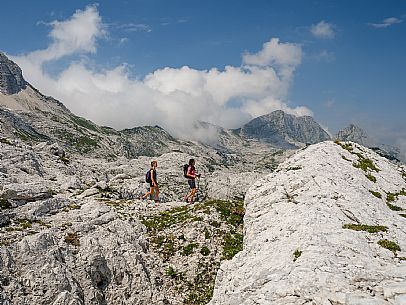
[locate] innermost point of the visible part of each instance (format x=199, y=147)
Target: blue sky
x=351, y=68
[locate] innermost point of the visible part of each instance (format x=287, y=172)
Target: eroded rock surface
x=300, y=240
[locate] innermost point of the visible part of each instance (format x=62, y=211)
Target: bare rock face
x=328, y=227
x=11, y=77
x=284, y=130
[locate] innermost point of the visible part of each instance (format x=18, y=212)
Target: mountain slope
x=284, y=130
x=304, y=238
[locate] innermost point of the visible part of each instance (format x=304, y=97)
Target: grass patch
x=294, y=168
x=187, y=250
x=403, y=215
x=172, y=272
x=376, y=194
x=167, y=219
x=394, y=207
x=346, y=146
x=202, y=287
x=233, y=244
x=365, y=164
x=207, y=234
x=231, y=212
x=84, y=123
x=4, y=204
x=390, y=197
x=204, y=251
x=367, y=228
x=72, y=239
x=390, y=245
x=296, y=254
x=5, y=141
x=65, y=160
x=345, y=158
x=371, y=178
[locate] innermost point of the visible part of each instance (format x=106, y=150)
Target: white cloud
x=323, y=30
x=135, y=27
x=174, y=98
x=386, y=22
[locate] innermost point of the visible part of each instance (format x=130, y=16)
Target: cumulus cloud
x=323, y=30
x=174, y=98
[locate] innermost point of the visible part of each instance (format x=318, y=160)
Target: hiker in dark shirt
x=191, y=175
x=153, y=182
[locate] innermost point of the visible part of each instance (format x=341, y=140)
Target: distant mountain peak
x=284, y=130
x=11, y=76
x=355, y=134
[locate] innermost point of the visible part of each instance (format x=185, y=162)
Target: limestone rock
x=296, y=248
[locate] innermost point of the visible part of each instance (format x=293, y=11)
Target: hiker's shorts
x=192, y=183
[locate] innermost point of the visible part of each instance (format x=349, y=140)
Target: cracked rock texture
x=296, y=250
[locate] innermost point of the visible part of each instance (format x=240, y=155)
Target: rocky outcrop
x=355, y=134
x=11, y=76
x=284, y=130
x=328, y=227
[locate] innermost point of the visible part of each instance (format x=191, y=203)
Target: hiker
x=190, y=174
x=151, y=177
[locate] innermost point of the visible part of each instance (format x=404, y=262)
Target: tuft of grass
x=376, y=194
x=367, y=228
x=172, y=272
x=394, y=207
x=294, y=168
x=5, y=141
x=296, y=254
x=403, y=215
x=365, y=164
x=207, y=234
x=233, y=244
x=72, y=239
x=166, y=219
x=4, y=204
x=345, y=158
x=371, y=178
x=390, y=245
x=204, y=251
x=188, y=249
x=65, y=160
x=390, y=197
x=346, y=146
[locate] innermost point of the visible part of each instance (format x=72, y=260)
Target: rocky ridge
x=11, y=77
x=327, y=227
x=284, y=130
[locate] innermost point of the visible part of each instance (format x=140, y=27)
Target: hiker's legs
x=150, y=192
x=156, y=193
x=192, y=195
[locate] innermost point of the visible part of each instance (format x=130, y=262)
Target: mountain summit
x=284, y=130
x=11, y=76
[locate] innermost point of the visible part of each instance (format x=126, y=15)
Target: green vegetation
x=72, y=239
x=394, y=207
x=294, y=168
x=296, y=254
x=371, y=178
x=187, y=250
x=24, y=223
x=390, y=197
x=65, y=160
x=403, y=215
x=390, y=245
x=4, y=204
x=376, y=194
x=84, y=123
x=207, y=234
x=233, y=243
x=167, y=219
x=367, y=228
x=346, y=146
x=219, y=222
x=345, y=158
x=5, y=141
x=365, y=164
x=201, y=288
x=172, y=273
x=204, y=251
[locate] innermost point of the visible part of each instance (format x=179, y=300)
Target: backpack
x=148, y=177
x=185, y=168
